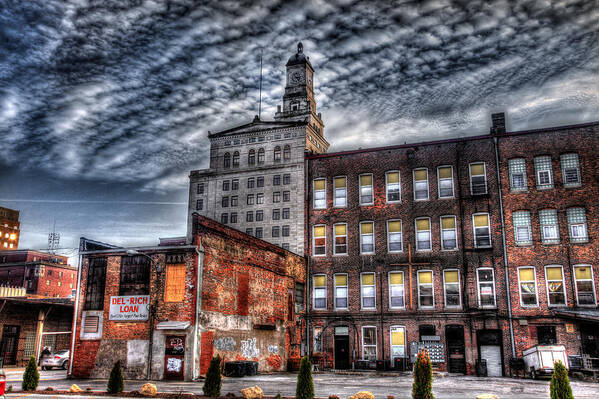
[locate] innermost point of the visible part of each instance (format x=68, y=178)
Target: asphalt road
x=325, y=384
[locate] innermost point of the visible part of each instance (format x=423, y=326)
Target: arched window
x=236, y=159
x=277, y=154
x=260, y=156
x=287, y=152
x=252, y=157
x=227, y=160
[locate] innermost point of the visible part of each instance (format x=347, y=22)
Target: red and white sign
x=129, y=308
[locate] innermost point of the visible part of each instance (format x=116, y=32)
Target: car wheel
x=65, y=365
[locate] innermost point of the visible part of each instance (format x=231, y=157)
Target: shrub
x=305, y=385
x=31, y=376
x=333, y=397
x=9, y=389
x=560, y=384
x=278, y=396
x=116, y=383
x=213, y=382
x=423, y=377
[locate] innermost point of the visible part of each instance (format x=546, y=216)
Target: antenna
x=260, y=98
x=53, y=239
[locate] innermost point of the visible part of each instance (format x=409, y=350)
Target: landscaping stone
x=148, y=389
x=75, y=388
x=252, y=393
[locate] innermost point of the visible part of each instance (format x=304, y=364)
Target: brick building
x=174, y=306
x=9, y=229
x=42, y=274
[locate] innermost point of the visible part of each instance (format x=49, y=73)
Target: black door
x=454, y=336
x=590, y=339
x=341, y=352
x=9, y=345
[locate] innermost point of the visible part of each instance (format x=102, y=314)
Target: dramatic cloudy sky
x=105, y=105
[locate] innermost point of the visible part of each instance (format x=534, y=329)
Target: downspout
x=196, y=370
x=76, y=312
x=507, y=277
x=306, y=254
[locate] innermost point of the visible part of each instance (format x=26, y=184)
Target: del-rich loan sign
x=129, y=308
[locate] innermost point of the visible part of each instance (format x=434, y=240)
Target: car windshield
x=61, y=352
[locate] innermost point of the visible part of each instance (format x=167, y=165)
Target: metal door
x=9, y=345
x=492, y=354
x=174, y=355
x=454, y=336
x=341, y=352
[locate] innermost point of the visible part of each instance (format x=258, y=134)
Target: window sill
x=369, y=309
x=570, y=187
x=421, y=199
x=545, y=188
x=518, y=191
x=397, y=309
x=447, y=198
x=395, y=252
x=449, y=250
x=586, y=306
x=393, y=202
x=340, y=255
x=367, y=253
x=367, y=204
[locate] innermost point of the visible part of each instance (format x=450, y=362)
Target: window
x=445, y=181
x=556, y=292
x=174, y=290
x=394, y=236
x=517, y=168
x=250, y=199
x=260, y=181
x=286, y=179
x=340, y=231
x=286, y=196
x=249, y=231
x=423, y=234
x=319, y=240
x=225, y=202
x=259, y=216
x=135, y=275
x=340, y=191
x=549, y=226
x=369, y=343
x=449, y=239
x=249, y=216
x=478, y=178
x=276, y=197
x=340, y=291
x=200, y=188
x=233, y=217
x=276, y=214
x=285, y=230
x=398, y=342
x=252, y=140
x=236, y=159
x=528, y=286
x=259, y=232
x=570, y=170
x=584, y=285
x=577, y=224
x=396, y=290
x=286, y=213
x=275, y=231
x=544, y=172
x=522, y=228
x=96, y=283
x=224, y=218
x=287, y=152
x=486, y=287
x=420, y=177
x=320, y=200
x=252, y=157
x=317, y=348
x=546, y=335
x=367, y=290
x=367, y=237
x=226, y=185
x=199, y=205
x=451, y=286
x=251, y=182
x=234, y=200
x=227, y=160
x=393, y=186
x=277, y=154
x=366, y=196
x=276, y=180
x=285, y=245
x=235, y=184
x=320, y=291
x=426, y=297
x=260, y=198
x=482, y=232
x=261, y=156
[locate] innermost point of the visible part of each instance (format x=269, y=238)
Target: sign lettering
x=129, y=308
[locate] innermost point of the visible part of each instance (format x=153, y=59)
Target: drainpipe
x=306, y=254
x=196, y=371
x=76, y=312
x=507, y=278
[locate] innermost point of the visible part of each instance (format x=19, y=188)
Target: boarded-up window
x=175, y=283
x=91, y=324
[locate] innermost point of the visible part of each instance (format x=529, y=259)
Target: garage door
x=492, y=354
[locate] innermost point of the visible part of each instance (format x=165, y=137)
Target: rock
x=362, y=395
x=487, y=396
x=148, y=389
x=75, y=388
x=252, y=393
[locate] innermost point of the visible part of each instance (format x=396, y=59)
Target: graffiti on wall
x=248, y=348
x=224, y=344
x=273, y=349
x=174, y=365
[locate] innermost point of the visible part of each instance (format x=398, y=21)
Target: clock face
x=296, y=77
x=309, y=80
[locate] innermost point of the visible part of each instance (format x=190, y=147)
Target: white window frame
x=511, y=175
x=405, y=339
x=455, y=230
x=517, y=241
x=335, y=204
x=488, y=226
x=592, y=279
x=387, y=186
x=324, y=192
x=471, y=176
x=389, y=236
x=439, y=182
x=480, y=305
x=402, y=285
x=544, y=239
x=375, y=341
x=335, y=291
x=362, y=307
x=430, y=235
x=314, y=240
x=432, y=283
x=428, y=189
x=346, y=253
x=314, y=288
x=459, y=305
x=371, y=189
x=551, y=183
x=573, y=238
x=520, y=287
x=563, y=169
x=361, y=238
x=549, y=304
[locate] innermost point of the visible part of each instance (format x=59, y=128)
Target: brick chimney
x=498, y=123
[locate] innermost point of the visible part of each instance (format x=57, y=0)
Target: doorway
x=341, y=348
x=174, y=357
x=9, y=344
x=489, y=349
x=589, y=334
x=454, y=337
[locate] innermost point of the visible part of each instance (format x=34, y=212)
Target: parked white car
x=539, y=359
x=58, y=359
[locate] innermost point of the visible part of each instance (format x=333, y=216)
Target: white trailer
x=539, y=359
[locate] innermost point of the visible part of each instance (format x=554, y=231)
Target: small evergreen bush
x=116, y=383
x=305, y=385
x=213, y=381
x=31, y=376
x=560, y=384
x=423, y=377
